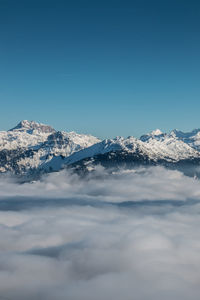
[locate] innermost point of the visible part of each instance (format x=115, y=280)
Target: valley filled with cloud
x=129, y=235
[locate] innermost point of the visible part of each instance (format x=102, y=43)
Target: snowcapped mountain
x=150, y=149
x=168, y=146
x=31, y=126
x=191, y=138
x=32, y=147
x=29, y=145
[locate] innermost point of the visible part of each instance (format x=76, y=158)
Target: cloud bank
x=132, y=235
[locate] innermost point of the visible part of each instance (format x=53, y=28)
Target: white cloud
x=56, y=245
x=155, y=183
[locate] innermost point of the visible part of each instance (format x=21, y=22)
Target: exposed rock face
x=29, y=145
x=34, y=147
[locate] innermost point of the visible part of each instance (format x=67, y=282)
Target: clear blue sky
x=102, y=67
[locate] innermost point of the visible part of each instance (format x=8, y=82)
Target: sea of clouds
x=130, y=235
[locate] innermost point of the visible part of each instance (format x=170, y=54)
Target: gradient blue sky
x=102, y=67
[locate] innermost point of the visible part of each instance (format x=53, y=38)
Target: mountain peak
x=182, y=135
x=153, y=134
x=29, y=126
x=156, y=132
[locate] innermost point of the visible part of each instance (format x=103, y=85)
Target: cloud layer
x=132, y=235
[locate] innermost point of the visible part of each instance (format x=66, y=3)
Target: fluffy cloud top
x=132, y=235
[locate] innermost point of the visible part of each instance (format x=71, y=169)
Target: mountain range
x=34, y=148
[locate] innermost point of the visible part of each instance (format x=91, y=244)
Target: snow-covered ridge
x=166, y=148
x=28, y=134
x=36, y=144
x=31, y=146
x=31, y=126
